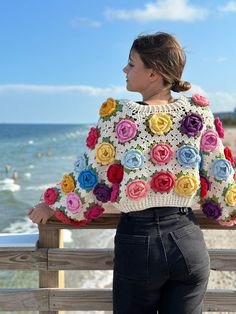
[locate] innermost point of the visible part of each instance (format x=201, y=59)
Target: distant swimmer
x=15, y=175
x=49, y=152
x=7, y=168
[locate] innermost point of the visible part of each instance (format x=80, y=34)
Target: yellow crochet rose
x=160, y=123
x=186, y=185
x=108, y=107
x=230, y=196
x=67, y=184
x=105, y=153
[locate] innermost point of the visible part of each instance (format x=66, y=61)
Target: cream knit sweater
x=142, y=156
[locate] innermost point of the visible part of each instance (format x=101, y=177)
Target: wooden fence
x=50, y=259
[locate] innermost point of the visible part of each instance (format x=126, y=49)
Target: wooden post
x=50, y=238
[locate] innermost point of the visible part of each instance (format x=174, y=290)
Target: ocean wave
x=9, y=184
x=39, y=187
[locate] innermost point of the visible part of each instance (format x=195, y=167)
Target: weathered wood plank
x=23, y=260
x=101, y=300
x=110, y=220
x=223, y=259
x=80, y=259
x=220, y=300
x=24, y=299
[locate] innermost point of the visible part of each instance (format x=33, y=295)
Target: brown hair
x=162, y=52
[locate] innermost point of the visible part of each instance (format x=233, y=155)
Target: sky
x=60, y=59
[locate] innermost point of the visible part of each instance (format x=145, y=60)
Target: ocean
x=33, y=157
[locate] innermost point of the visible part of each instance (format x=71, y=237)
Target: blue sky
x=60, y=59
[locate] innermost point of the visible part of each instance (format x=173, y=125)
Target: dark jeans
x=161, y=265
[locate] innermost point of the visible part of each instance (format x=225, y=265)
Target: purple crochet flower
x=102, y=192
x=211, y=209
x=192, y=124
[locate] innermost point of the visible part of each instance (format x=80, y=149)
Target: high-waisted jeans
x=161, y=264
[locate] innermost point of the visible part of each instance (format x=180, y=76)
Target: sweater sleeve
x=217, y=173
x=81, y=194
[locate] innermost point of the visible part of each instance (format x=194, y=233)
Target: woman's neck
x=161, y=97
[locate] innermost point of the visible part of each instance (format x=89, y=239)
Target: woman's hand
x=40, y=213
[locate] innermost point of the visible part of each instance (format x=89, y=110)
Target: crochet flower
x=227, y=223
x=80, y=164
x=88, y=179
x=162, y=182
x=230, y=196
x=137, y=189
x=67, y=184
x=114, y=192
x=229, y=156
x=219, y=127
x=200, y=100
x=160, y=123
x=115, y=173
x=192, y=124
x=209, y=141
x=92, y=138
x=205, y=185
x=108, y=107
x=73, y=203
x=94, y=212
x=188, y=156
x=50, y=196
x=102, y=192
x=161, y=154
x=186, y=185
x=126, y=130
x=221, y=169
x=133, y=159
x=105, y=153
x=211, y=209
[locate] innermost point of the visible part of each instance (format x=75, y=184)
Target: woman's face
x=137, y=75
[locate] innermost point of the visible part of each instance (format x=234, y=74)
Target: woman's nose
x=125, y=69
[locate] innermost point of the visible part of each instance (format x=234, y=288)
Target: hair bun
x=180, y=86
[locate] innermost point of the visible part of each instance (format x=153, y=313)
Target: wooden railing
x=50, y=259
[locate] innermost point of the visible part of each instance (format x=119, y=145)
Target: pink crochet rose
x=200, y=100
x=137, y=189
x=219, y=127
x=209, y=141
x=161, y=154
x=114, y=192
x=126, y=130
x=73, y=203
x=94, y=212
x=226, y=223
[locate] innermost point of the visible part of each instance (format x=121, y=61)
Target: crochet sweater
x=141, y=156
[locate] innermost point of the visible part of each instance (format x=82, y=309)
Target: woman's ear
x=154, y=76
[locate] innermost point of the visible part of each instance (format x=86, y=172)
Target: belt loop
x=183, y=210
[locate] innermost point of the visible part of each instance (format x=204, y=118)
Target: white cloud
x=220, y=101
x=228, y=7
x=165, y=10
x=58, y=89
x=84, y=21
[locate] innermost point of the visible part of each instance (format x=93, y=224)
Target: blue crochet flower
x=188, y=156
x=221, y=169
x=87, y=179
x=133, y=159
x=80, y=164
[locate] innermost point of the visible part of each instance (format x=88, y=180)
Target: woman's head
x=162, y=53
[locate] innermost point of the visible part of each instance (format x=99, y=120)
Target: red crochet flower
x=229, y=155
x=115, y=173
x=94, y=212
x=50, y=196
x=205, y=186
x=115, y=192
x=162, y=182
x=92, y=138
x=219, y=127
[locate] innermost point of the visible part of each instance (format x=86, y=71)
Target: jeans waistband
x=159, y=212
